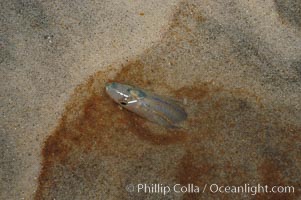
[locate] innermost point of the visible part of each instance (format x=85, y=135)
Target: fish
x=161, y=110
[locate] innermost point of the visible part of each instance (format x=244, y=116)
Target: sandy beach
x=237, y=64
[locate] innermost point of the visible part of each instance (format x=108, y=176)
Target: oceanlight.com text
x=211, y=188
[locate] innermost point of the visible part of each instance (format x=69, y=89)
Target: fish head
x=124, y=94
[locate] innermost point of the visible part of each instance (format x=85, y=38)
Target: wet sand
x=237, y=64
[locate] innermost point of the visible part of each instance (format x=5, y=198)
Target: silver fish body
x=155, y=108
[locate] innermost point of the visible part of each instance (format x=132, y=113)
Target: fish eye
x=123, y=103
